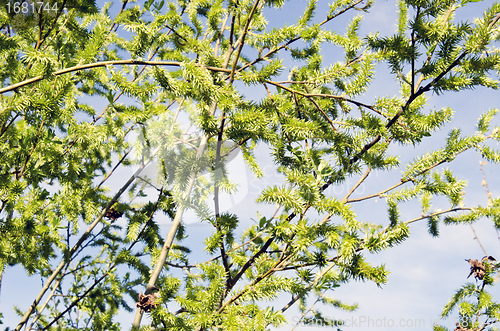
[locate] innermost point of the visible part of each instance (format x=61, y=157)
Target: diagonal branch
x=110, y=269
x=412, y=178
x=82, y=239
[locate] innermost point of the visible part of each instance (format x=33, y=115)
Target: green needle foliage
x=80, y=83
x=476, y=308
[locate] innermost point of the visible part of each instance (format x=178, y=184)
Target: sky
x=425, y=271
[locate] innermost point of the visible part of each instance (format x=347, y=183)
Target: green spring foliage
x=78, y=82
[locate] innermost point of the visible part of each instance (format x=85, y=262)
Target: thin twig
x=330, y=96
x=322, y=112
x=438, y=213
x=113, y=170
x=478, y=241
x=310, y=308
x=412, y=178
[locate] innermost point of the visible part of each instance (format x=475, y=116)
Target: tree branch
x=82, y=238
x=271, y=52
x=106, y=64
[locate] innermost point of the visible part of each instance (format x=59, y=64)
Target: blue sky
x=425, y=271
